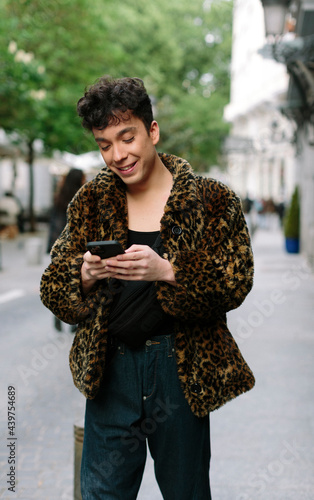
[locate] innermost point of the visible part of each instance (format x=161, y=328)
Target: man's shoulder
x=216, y=195
x=176, y=163
x=214, y=184
x=103, y=176
x=102, y=182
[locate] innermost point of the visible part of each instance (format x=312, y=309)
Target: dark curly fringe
x=110, y=101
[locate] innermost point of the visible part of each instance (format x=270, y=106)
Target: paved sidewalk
x=262, y=443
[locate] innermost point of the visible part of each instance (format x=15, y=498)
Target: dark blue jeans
x=141, y=401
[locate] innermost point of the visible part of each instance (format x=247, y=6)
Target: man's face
x=127, y=148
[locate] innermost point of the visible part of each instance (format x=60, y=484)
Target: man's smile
x=128, y=168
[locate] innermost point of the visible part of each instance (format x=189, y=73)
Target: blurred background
x=232, y=85
x=232, y=98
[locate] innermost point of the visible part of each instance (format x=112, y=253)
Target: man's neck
x=159, y=180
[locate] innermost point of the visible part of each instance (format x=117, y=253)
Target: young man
x=151, y=375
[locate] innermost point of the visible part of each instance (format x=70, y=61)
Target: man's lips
x=128, y=168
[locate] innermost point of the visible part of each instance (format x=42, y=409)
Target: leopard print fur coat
x=205, y=239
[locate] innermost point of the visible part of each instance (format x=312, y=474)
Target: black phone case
x=105, y=249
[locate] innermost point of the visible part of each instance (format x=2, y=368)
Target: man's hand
x=92, y=270
x=141, y=263
x=138, y=263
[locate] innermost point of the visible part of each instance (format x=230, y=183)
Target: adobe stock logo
x=131, y=441
x=39, y=359
x=160, y=414
x=266, y=477
x=265, y=308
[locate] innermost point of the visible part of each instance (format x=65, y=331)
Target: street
x=262, y=443
x=34, y=361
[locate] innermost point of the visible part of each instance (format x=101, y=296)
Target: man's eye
x=129, y=140
x=105, y=148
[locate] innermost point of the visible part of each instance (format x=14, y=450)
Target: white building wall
x=306, y=178
x=20, y=184
x=254, y=79
x=258, y=86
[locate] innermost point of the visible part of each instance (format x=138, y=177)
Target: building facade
x=260, y=151
x=270, y=149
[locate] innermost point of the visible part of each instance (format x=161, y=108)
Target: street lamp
x=297, y=53
x=275, y=12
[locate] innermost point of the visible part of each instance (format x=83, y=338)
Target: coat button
x=176, y=230
x=196, y=388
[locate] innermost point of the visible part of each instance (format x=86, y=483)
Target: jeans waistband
x=156, y=343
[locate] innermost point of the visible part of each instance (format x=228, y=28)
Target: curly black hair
x=109, y=101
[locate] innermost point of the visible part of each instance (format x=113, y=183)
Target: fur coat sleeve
x=60, y=287
x=216, y=276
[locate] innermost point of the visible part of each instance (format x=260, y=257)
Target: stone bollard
x=78, y=447
x=34, y=251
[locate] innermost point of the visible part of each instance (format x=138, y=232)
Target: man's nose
x=119, y=153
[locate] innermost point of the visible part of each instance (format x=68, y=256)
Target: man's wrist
x=169, y=276
x=86, y=282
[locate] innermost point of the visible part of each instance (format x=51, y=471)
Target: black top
x=163, y=323
x=142, y=237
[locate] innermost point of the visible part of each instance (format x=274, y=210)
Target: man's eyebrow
x=119, y=134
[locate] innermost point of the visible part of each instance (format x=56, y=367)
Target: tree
x=182, y=51
x=51, y=51
x=46, y=49
x=292, y=217
x=197, y=114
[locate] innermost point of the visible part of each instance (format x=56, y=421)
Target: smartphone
x=105, y=249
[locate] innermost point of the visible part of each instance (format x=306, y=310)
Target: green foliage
x=46, y=52
x=191, y=133
x=292, y=218
x=53, y=50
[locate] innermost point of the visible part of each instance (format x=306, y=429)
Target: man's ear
x=154, y=132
